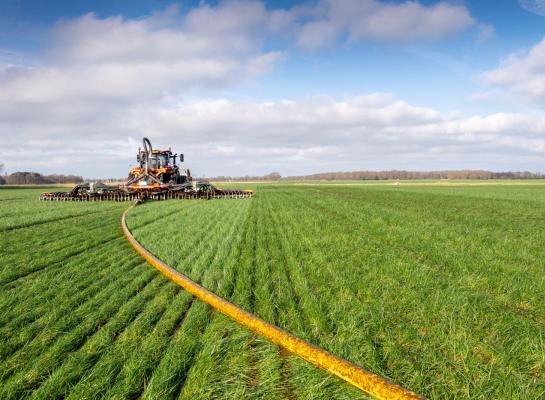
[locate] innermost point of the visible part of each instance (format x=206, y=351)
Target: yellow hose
x=370, y=383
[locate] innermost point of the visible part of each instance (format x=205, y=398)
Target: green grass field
x=440, y=287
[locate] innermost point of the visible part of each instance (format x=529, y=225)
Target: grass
x=439, y=287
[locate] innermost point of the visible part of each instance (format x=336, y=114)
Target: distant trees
x=25, y=178
x=273, y=176
x=59, y=178
x=35, y=178
x=407, y=175
x=388, y=175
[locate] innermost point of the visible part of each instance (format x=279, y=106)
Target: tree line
x=35, y=178
x=388, y=175
x=407, y=175
x=273, y=176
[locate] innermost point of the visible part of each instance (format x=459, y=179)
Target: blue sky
x=250, y=87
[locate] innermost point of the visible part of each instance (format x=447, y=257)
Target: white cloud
x=370, y=19
x=523, y=74
x=114, y=59
x=221, y=136
x=534, y=6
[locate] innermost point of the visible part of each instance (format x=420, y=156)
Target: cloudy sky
x=250, y=87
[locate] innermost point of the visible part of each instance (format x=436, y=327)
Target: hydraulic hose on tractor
x=370, y=383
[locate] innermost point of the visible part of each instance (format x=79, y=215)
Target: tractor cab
x=161, y=159
x=157, y=159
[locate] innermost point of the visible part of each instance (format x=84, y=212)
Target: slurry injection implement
x=157, y=177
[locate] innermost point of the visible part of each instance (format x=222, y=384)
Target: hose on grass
x=369, y=382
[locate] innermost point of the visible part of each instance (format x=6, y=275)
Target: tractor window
x=158, y=161
x=163, y=160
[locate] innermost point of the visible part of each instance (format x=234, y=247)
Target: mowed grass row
x=441, y=292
